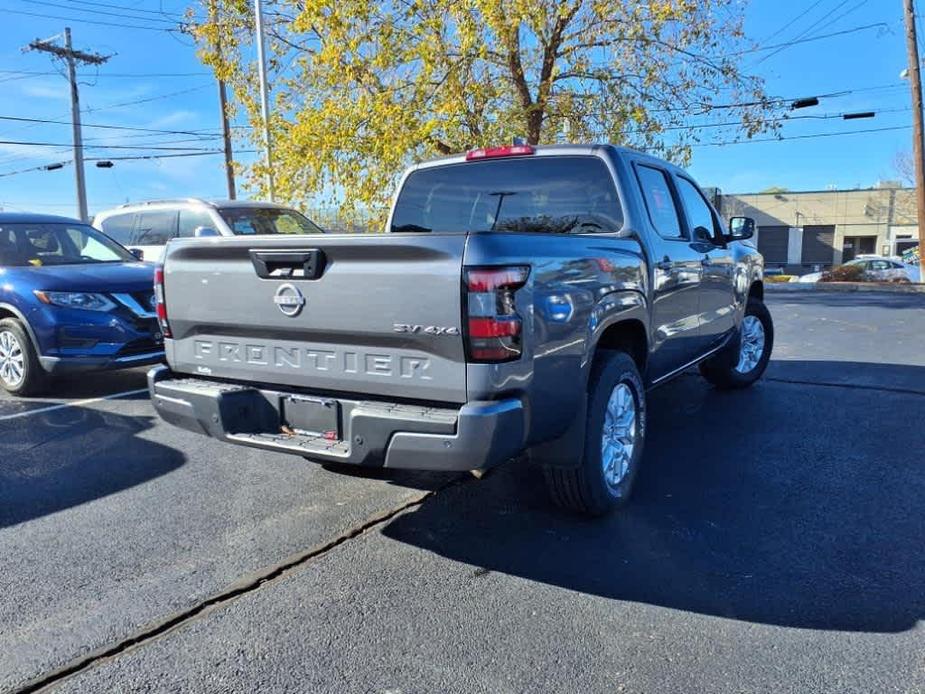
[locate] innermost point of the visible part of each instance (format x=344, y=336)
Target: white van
x=148, y=226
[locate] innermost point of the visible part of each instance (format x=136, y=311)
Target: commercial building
x=798, y=231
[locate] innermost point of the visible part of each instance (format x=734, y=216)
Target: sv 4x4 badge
x=425, y=329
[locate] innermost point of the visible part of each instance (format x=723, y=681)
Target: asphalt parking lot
x=774, y=544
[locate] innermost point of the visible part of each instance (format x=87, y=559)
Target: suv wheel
x=614, y=438
x=748, y=355
x=20, y=371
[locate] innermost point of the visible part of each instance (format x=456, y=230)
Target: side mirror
x=741, y=228
x=202, y=232
x=138, y=253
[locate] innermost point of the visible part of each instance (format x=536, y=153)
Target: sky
x=153, y=80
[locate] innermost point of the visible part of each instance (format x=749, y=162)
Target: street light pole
x=918, y=135
x=264, y=102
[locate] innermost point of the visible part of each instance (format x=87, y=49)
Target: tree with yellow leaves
x=359, y=89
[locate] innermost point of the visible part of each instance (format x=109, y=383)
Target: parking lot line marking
x=76, y=403
x=239, y=588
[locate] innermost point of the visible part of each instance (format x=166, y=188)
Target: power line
x=169, y=156
x=141, y=157
x=809, y=39
x=781, y=119
x=43, y=167
x=150, y=98
x=60, y=144
x=87, y=21
x=162, y=13
x=133, y=75
x=795, y=20
x=100, y=12
x=782, y=100
x=802, y=34
x=800, y=137
x=104, y=126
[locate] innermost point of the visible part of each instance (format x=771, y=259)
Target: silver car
x=146, y=227
x=877, y=268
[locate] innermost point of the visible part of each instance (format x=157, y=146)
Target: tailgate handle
x=293, y=265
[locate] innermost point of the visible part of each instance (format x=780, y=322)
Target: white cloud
x=48, y=90
x=178, y=117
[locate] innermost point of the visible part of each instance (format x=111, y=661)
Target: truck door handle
x=298, y=265
x=664, y=264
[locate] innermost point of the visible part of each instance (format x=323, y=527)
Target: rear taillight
x=160, y=307
x=493, y=327
x=492, y=152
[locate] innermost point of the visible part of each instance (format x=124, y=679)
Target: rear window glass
x=531, y=194
x=155, y=228
x=247, y=221
x=119, y=227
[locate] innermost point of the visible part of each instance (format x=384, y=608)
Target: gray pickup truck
x=524, y=299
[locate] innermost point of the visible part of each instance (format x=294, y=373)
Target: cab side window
x=155, y=228
x=190, y=220
x=119, y=227
x=659, y=201
x=700, y=218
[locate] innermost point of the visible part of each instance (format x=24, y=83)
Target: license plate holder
x=315, y=416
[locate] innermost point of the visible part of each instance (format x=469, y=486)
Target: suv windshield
x=246, y=221
x=561, y=194
x=23, y=244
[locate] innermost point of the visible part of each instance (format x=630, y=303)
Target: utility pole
x=222, y=102
x=72, y=57
x=918, y=135
x=226, y=136
x=264, y=102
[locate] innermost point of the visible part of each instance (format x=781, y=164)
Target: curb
x=888, y=287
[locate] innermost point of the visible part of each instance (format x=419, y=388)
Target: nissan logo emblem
x=289, y=300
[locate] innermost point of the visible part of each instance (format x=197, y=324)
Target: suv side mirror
x=201, y=232
x=137, y=252
x=741, y=228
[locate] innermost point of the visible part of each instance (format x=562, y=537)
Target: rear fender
x=612, y=309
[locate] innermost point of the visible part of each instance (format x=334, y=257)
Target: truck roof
x=215, y=203
x=549, y=150
x=35, y=218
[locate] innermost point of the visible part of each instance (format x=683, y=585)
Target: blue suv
x=71, y=299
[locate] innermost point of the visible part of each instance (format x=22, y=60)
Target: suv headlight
x=84, y=300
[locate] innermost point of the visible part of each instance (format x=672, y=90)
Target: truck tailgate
x=382, y=316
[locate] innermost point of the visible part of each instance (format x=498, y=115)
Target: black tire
x=34, y=377
x=584, y=488
x=721, y=370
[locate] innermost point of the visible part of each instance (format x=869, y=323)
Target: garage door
x=818, y=244
x=772, y=243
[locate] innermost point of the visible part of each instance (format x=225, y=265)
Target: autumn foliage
x=360, y=89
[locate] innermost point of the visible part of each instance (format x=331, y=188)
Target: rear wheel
x=20, y=371
x=747, y=357
x=614, y=438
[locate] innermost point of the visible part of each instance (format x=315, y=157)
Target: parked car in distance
x=148, y=226
x=524, y=299
x=71, y=299
x=875, y=268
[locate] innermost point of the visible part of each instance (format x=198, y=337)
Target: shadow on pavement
x=790, y=505
x=56, y=460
